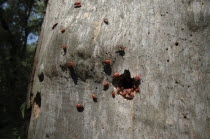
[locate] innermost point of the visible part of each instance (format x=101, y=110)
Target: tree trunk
x=166, y=43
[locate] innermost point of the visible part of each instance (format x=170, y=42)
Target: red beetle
x=62, y=30
x=113, y=94
x=116, y=75
x=94, y=97
x=107, y=62
x=131, y=94
x=106, y=21
x=106, y=84
x=64, y=47
x=123, y=93
x=136, y=90
x=127, y=90
x=127, y=96
x=77, y=3
x=70, y=64
x=118, y=90
x=79, y=106
x=137, y=77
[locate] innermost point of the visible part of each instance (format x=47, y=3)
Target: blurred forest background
x=20, y=23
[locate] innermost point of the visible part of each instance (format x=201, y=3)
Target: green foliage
x=14, y=78
x=22, y=109
x=18, y=19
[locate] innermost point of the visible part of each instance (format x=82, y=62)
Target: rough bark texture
x=167, y=42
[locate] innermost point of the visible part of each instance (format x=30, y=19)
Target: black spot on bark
x=167, y=60
x=107, y=69
x=80, y=109
x=176, y=43
x=120, y=52
x=185, y=115
x=73, y=75
x=64, y=50
x=37, y=99
x=95, y=99
x=106, y=88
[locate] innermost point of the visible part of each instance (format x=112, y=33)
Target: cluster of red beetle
x=126, y=93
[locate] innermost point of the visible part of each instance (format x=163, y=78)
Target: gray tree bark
x=167, y=42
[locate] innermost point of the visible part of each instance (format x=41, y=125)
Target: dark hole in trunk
x=37, y=99
x=125, y=81
x=41, y=77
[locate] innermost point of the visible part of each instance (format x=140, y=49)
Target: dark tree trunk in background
x=167, y=43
